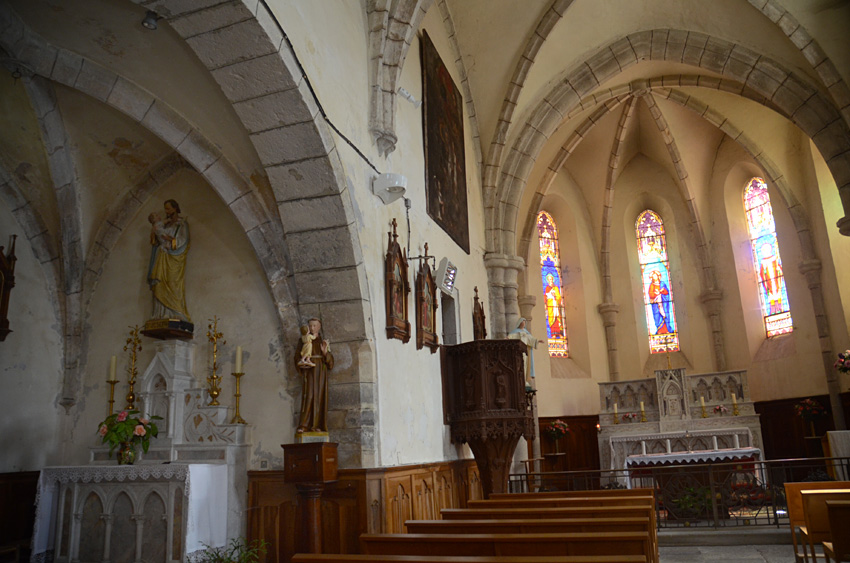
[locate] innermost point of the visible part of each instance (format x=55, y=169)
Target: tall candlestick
x=616, y=417
x=734, y=399
x=642, y=413
x=113, y=364
x=239, y=359
x=702, y=401
x=735, y=410
x=615, y=409
x=641, y=405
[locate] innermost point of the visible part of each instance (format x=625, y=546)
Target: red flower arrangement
x=810, y=410
x=630, y=416
x=557, y=429
x=842, y=364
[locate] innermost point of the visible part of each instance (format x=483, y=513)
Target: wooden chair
x=838, y=549
x=816, y=528
x=794, y=501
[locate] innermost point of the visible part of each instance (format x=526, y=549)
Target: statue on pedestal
x=314, y=394
x=521, y=333
x=169, y=241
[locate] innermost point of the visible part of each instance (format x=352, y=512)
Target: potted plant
x=810, y=411
x=238, y=551
x=556, y=430
x=126, y=431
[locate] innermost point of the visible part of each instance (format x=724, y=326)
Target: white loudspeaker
x=389, y=187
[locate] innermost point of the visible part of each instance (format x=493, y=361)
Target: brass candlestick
x=214, y=379
x=704, y=414
x=642, y=415
x=616, y=419
x=236, y=418
x=735, y=410
x=134, y=345
x=111, y=383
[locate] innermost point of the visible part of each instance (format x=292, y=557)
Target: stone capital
x=609, y=313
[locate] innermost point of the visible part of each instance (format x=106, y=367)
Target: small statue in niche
x=314, y=394
x=479, y=321
x=521, y=333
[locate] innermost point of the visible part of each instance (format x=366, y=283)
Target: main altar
x=187, y=492
x=676, y=419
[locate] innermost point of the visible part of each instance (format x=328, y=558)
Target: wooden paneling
x=362, y=501
x=579, y=445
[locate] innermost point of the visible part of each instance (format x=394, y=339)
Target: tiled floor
x=727, y=554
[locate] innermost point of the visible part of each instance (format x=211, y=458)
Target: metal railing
x=708, y=495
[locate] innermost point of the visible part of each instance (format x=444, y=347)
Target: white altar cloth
x=700, y=456
x=204, y=488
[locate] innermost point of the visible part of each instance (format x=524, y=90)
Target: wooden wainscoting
x=375, y=500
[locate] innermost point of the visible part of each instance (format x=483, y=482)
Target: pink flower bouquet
x=126, y=427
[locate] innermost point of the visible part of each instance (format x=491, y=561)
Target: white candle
x=734, y=399
x=641, y=406
x=113, y=363
x=615, y=409
x=238, y=359
x=702, y=401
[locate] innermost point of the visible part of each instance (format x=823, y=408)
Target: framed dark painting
x=445, y=164
x=426, y=307
x=395, y=275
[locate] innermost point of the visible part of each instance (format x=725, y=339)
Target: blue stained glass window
x=771, y=281
x=550, y=273
x=655, y=275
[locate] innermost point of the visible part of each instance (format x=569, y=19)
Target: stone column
x=502, y=273
x=526, y=305
x=609, y=321
x=811, y=268
x=712, y=299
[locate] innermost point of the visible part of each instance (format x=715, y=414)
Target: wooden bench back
x=332, y=558
x=547, y=513
x=563, y=501
x=794, y=502
x=517, y=526
x=794, y=499
x=639, y=492
x=601, y=543
x=816, y=515
x=838, y=512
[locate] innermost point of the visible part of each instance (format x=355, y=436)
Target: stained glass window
x=772, y=292
x=655, y=275
x=550, y=273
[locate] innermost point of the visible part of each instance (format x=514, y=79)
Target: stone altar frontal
x=129, y=512
x=195, y=445
x=673, y=409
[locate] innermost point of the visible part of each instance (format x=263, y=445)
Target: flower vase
x=126, y=453
x=557, y=448
x=812, y=428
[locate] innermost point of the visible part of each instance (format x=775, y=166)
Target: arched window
x=655, y=275
x=550, y=272
x=772, y=292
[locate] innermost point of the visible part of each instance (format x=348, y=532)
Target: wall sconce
x=409, y=97
x=150, y=20
x=446, y=276
x=389, y=187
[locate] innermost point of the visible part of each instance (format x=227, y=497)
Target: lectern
x=310, y=466
x=485, y=404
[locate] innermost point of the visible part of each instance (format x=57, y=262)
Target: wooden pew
x=559, y=525
x=543, y=504
x=563, y=501
x=639, y=492
x=816, y=529
x=331, y=558
x=794, y=502
x=590, y=543
x=839, y=526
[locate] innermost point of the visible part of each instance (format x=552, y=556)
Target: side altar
x=187, y=492
x=677, y=418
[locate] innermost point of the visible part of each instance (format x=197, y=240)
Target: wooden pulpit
x=485, y=404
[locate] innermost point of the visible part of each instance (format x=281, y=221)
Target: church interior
x=649, y=186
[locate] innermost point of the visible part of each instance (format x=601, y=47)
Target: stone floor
x=727, y=553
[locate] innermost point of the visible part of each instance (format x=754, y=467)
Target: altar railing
x=706, y=495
